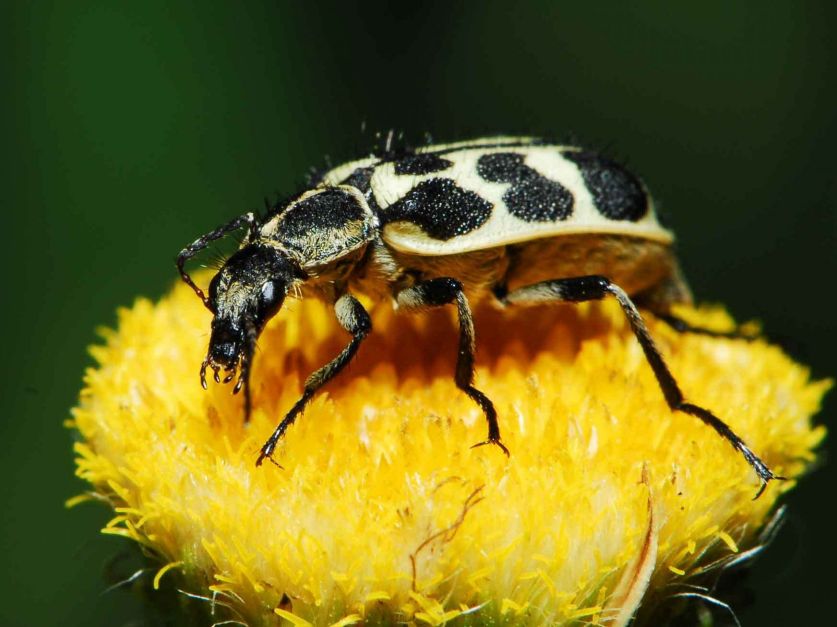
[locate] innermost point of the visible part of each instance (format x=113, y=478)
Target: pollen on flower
x=381, y=511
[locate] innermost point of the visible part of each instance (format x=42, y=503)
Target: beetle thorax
x=322, y=226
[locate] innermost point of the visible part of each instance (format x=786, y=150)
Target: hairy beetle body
x=513, y=219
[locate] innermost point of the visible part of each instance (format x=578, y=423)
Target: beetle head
x=247, y=292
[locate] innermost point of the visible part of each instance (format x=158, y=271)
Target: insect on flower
x=516, y=219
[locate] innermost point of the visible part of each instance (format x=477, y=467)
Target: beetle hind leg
x=682, y=326
x=444, y=291
x=585, y=288
x=674, y=289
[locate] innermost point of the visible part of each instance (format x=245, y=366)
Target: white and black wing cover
x=455, y=198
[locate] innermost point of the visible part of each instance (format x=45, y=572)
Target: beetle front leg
x=251, y=336
x=355, y=319
x=443, y=291
x=587, y=288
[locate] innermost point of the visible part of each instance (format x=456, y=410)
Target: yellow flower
x=382, y=512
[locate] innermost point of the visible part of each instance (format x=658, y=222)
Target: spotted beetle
x=516, y=219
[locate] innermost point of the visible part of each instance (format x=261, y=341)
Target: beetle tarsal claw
x=496, y=442
x=269, y=457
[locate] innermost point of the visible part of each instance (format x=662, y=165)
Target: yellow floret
x=382, y=512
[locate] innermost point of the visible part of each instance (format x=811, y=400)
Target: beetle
x=518, y=220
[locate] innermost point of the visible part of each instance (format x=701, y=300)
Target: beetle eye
x=271, y=296
x=268, y=294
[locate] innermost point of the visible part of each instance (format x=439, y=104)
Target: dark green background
x=130, y=131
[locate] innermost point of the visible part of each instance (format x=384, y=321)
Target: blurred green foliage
x=131, y=128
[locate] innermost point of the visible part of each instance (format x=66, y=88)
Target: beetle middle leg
x=594, y=287
x=444, y=291
x=355, y=319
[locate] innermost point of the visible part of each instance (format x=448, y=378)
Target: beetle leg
x=244, y=382
x=678, y=324
x=443, y=291
x=355, y=319
x=203, y=241
x=586, y=288
x=251, y=336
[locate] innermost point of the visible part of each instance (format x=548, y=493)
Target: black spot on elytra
x=532, y=196
x=421, y=164
x=617, y=194
x=440, y=208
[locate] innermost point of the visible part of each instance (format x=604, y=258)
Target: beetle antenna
x=202, y=242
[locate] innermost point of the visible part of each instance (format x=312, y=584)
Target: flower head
x=381, y=511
